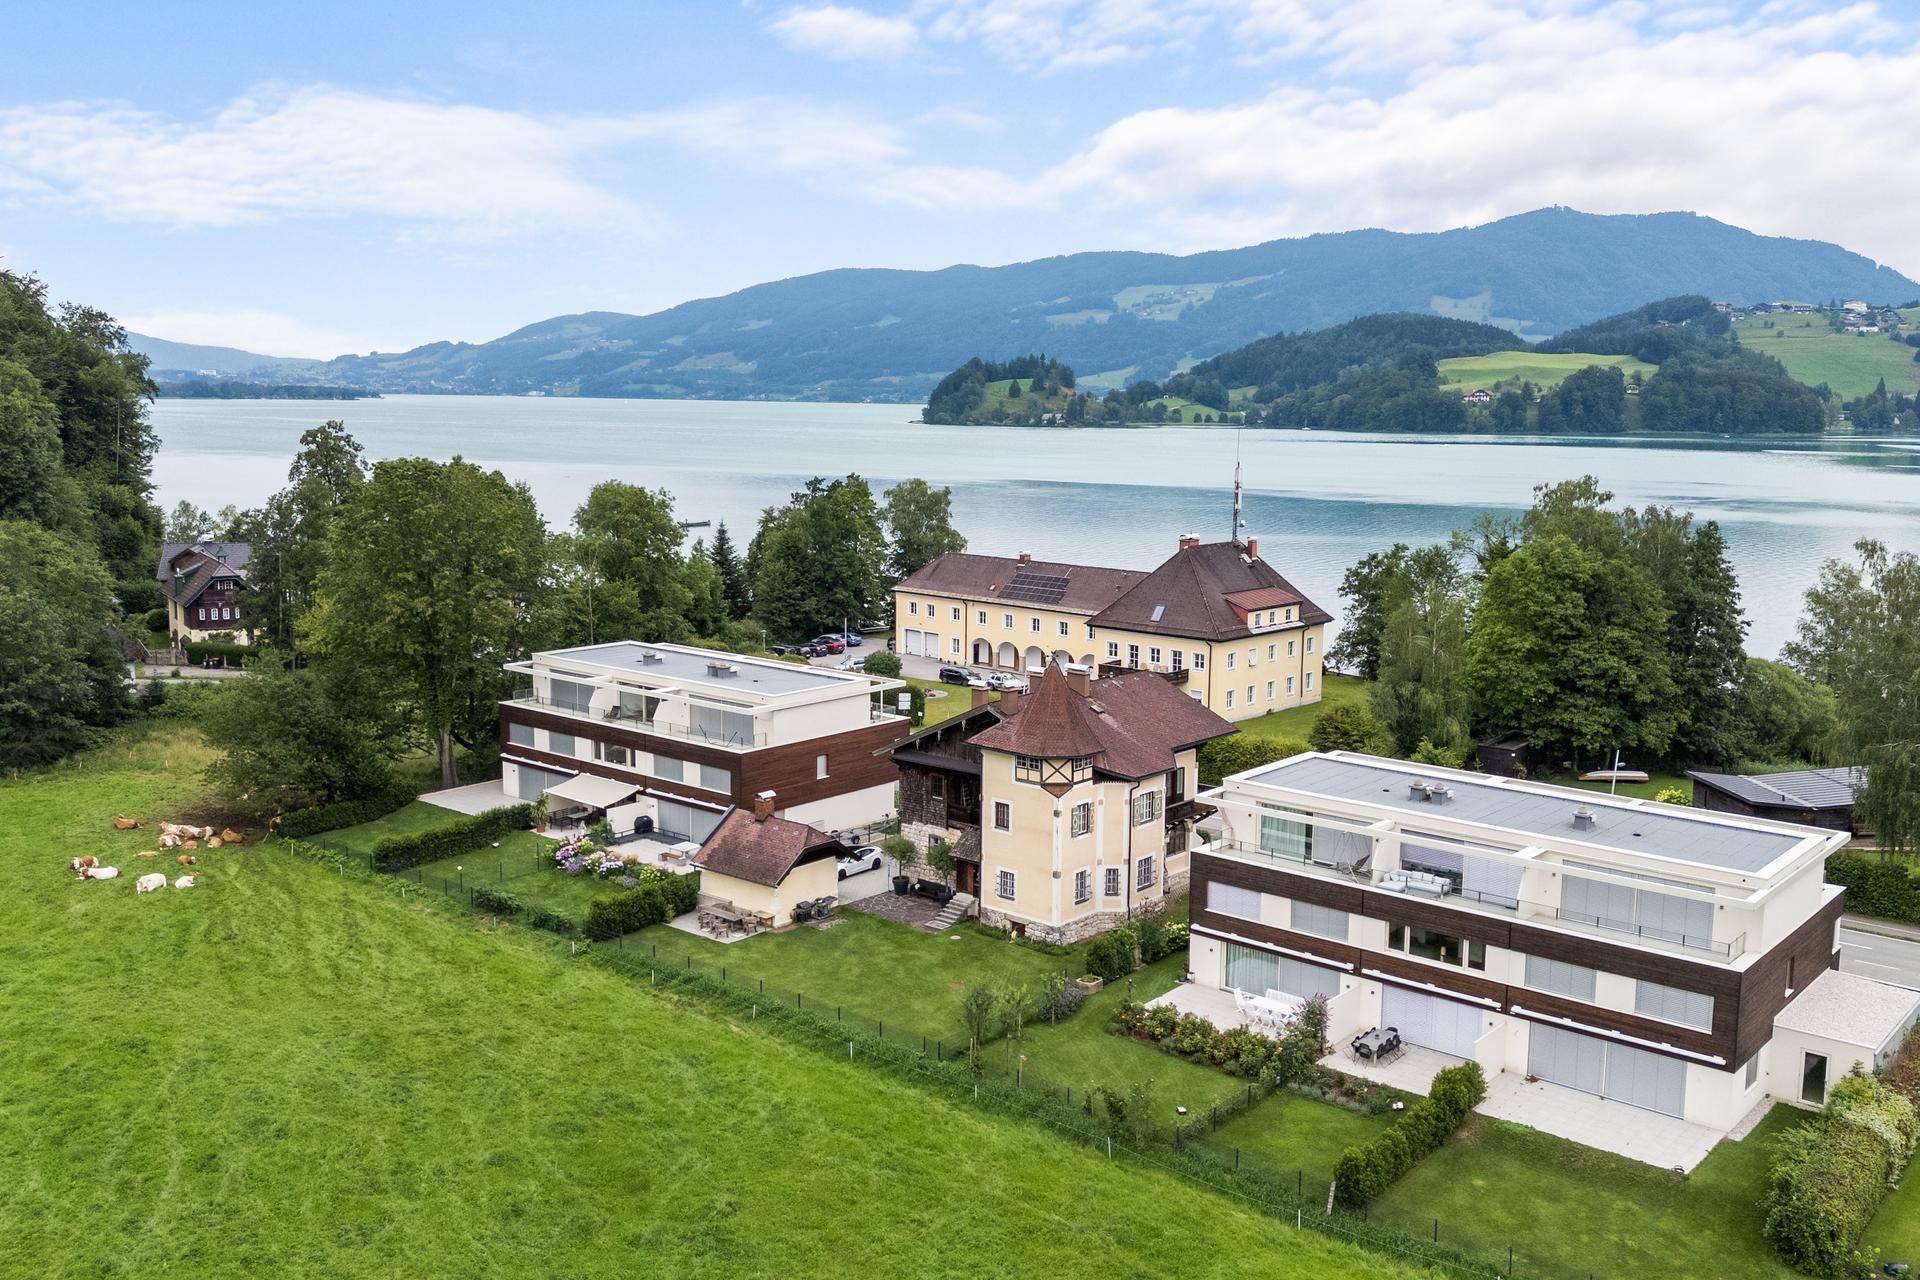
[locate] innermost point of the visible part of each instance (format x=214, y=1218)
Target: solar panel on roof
x=1040, y=588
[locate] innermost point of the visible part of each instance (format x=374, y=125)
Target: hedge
x=1365, y=1171
x=654, y=902
x=505, y=904
x=398, y=853
x=1828, y=1178
x=234, y=655
x=1877, y=886
x=302, y=823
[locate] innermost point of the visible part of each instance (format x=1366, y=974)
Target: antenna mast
x=1239, y=525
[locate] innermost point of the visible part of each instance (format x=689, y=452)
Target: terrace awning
x=592, y=791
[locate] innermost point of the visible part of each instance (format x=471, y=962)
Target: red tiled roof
x=762, y=851
x=1087, y=588
x=1189, y=596
x=1129, y=724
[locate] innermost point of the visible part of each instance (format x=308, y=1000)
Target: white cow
x=148, y=883
x=184, y=882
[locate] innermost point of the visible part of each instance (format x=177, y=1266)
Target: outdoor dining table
x=1378, y=1043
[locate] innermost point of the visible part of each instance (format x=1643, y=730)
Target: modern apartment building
x=1067, y=809
x=699, y=730
x=1658, y=955
x=1214, y=617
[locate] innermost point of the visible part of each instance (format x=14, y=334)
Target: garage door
x=1621, y=1072
x=1442, y=1025
x=910, y=641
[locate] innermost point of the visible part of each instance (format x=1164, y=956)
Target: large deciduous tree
x=1860, y=636
x=626, y=578
x=429, y=586
x=293, y=738
x=1421, y=694
x=819, y=562
x=920, y=518
x=289, y=534
x=59, y=670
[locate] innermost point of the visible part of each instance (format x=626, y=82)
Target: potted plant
x=901, y=851
x=940, y=858
x=540, y=813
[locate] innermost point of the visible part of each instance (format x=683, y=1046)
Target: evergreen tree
x=733, y=574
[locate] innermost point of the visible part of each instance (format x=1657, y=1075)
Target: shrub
x=882, y=663
x=500, y=904
x=1345, y=727
x=1110, y=957
x=398, y=853
x=229, y=653
x=1363, y=1172
x=1442, y=755
x=1672, y=795
x=1239, y=752
x=303, y=823
x=1301, y=1046
x=1130, y=1018
x=1159, y=1023
x=1823, y=1189
x=1193, y=1035
x=1150, y=934
x=1058, y=999
x=1876, y=886
x=156, y=619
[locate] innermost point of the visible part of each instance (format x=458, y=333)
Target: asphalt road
x=1875, y=955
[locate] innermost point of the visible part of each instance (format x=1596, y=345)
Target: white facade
x=1571, y=880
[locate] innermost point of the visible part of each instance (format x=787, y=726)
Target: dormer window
x=1052, y=771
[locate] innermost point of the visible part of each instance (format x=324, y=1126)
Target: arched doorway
x=1086, y=660
x=1009, y=656
x=1062, y=659
x=982, y=653
x=1036, y=658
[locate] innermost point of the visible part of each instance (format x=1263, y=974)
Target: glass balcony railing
x=634, y=718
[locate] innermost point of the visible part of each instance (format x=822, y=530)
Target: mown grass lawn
x=1081, y=1053
x=883, y=971
x=1813, y=353
x=1895, y=1232
x=522, y=867
x=1571, y=1210
x=1294, y=722
x=1546, y=370
x=290, y=1072
x=1289, y=1133
x=407, y=821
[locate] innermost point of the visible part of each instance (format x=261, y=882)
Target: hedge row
x=1877, y=886
x=234, y=655
x=398, y=853
x=654, y=902
x=505, y=904
x=302, y=823
x=1829, y=1178
x=1369, y=1169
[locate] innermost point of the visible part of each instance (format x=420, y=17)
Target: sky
x=323, y=179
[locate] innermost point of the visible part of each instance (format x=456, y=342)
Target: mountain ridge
x=883, y=333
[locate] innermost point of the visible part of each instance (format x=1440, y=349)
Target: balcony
x=636, y=721
x=1445, y=893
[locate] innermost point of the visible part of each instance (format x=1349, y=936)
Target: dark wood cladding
x=790, y=771
x=1745, y=1001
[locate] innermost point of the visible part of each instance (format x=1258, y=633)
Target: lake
x=1316, y=500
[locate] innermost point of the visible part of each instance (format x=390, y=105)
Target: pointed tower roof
x=1051, y=720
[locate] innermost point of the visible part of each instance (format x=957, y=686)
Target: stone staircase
x=958, y=908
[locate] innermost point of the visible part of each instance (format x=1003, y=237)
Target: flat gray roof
x=1723, y=842
x=689, y=667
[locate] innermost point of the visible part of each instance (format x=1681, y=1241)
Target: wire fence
x=1189, y=1149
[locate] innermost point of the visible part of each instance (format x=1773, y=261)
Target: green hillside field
x=1544, y=369
x=1812, y=352
x=285, y=1070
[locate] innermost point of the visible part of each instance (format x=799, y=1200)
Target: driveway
x=865, y=885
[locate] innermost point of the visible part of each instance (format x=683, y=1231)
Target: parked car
x=865, y=858
x=1007, y=682
x=855, y=664
x=781, y=650
x=852, y=638
x=960, y=675
x=829, y=644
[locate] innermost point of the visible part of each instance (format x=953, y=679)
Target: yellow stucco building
x=1068, y=809
x=1215, y=616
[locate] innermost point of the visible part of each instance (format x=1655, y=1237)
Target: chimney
x=763, y=806
x=1026, y=558
x=1189, y=541
x=1079, y=679
x=1253, y=548
x=979, y=698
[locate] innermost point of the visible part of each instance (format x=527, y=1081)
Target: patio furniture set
x=1378, y=1044
x=722, y=919
x=1272, y=1013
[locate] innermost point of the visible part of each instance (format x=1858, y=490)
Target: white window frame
x=1062, y=624
x=1199, y=660
x=819, y=767
x=1080, y=819
x=1146, y=808
x=1006, y=885
x=1229, y=699
x=1113, y=887
x=1143, y=873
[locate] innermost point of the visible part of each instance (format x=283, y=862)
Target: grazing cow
x=100, y=873
x=148, y=883
x=184, y=882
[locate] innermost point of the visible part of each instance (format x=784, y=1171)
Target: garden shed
x=766, y=865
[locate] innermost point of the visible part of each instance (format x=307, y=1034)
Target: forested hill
x=1115, y=317
x=1290, y=361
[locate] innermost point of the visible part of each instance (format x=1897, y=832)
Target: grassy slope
x=1850, y=364
x=1498, y=1184
x=1544, y=369
x=286, y=1071
x=871, y=966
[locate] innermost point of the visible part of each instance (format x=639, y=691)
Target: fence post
x=1436, y=1231
x=1509, y=1259
x=1236, y=1159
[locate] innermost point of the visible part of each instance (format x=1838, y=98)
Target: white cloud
x=839, y=31
x=267, y=333
x=1759, y=120
x=473, y=172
